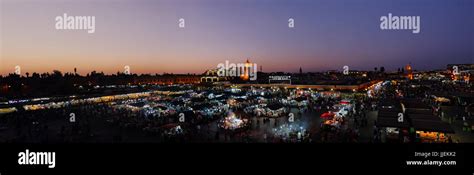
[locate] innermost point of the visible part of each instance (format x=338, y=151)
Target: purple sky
x=144, y=34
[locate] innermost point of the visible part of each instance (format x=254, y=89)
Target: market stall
x=232, y=122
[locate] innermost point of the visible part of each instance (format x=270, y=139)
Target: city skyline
x=389, y=81
x=145, y=36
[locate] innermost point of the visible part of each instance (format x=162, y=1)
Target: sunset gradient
x=144, y=34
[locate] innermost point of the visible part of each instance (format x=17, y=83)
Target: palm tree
x=57, y=73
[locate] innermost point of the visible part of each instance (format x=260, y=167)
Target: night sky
x=144, y=34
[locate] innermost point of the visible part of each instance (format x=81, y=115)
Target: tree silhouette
x=57, y=74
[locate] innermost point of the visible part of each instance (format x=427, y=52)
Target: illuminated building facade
x=409, y=70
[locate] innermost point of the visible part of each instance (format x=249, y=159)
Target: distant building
x=461, y=72
x=212, y=76
x=409, y=70
x=245, y=75
x=167, y=79
x=461, y=66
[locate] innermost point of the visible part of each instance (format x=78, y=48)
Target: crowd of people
x=105, y=122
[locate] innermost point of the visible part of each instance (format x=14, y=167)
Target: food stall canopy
x=414, y=103
x=418, y=111
x=345, y=102
x=327, y=115
x=429, y=122
x=390, y=104
x=388, y=118
x=432, y=126
x=392, y=122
